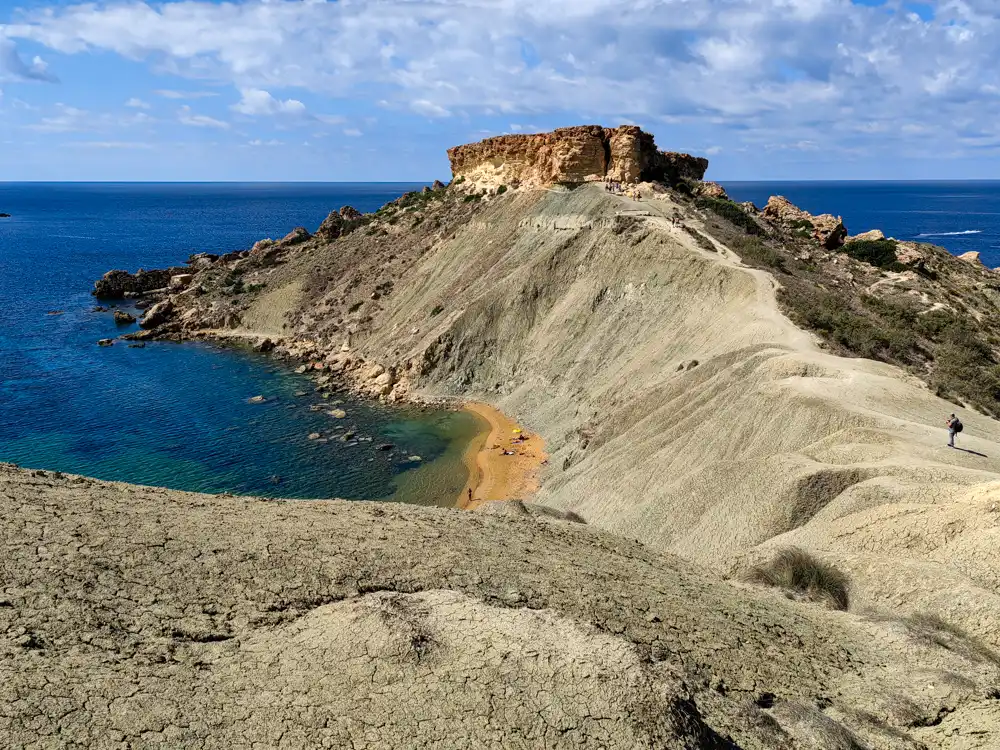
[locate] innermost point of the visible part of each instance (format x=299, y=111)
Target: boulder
x=710, y=190
x=872, y=236
x=374, y=372
x=337, y=413
x=181, y=280
x=385, y=379
x=123, y=318
x=296, y=236
x=827, y=229
x=158, y=314
x=106, y=342
x=201, y=261
x=332, y=226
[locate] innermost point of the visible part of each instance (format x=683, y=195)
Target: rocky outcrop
x=123, y=318
x=711, y=190
x=972, y=257
x=350, y=213
x=827, y=229
x=573, y=155
x=337, y=222
x=158, y=314
x=872, y=236
x=121, y=284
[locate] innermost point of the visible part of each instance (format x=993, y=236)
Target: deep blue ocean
x=959, y=216
x=177, y=415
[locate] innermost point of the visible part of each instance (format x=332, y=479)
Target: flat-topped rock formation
x=585, y=153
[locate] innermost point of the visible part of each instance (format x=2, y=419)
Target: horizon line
x=428, y=182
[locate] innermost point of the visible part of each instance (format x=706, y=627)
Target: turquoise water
x=178, y=415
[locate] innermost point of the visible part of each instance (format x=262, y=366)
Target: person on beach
x=470, y=496
x=954, y=427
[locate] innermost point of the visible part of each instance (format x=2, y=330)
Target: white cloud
x=257, y=142
x=186, y=117
x=352, y=133
x=171, y=94
x=256, y=102
x=109, y=144
x=63, y=118
x=429, y=108
x=135, y=103
x=762, y=73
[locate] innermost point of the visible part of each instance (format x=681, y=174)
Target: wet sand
x=493, y=475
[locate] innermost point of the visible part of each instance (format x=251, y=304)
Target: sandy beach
x=503, y=462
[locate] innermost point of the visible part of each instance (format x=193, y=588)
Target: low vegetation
x=878, y=253
x=935, y=630
x=731, y=212
x=802, y=576
x=955, y=351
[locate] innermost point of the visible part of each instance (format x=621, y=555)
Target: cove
x=178, y=415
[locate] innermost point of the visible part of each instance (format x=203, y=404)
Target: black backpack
x=957, y=425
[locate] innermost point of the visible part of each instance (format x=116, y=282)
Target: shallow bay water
x=179, y=415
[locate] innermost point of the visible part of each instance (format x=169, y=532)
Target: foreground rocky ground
x=139, y=617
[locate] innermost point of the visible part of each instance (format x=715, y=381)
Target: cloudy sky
x=377, y=89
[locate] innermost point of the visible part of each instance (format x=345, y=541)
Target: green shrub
x=731, y=212
x=755, y=251
x=880, y=253
x=501, y=190
x=438, y=309
x=472, y=197
x=801, y=575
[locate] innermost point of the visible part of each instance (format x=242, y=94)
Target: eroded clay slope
x=682, y=409
x=136, y=617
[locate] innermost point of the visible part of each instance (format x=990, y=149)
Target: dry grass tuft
x=803, y=576
x=933, y=629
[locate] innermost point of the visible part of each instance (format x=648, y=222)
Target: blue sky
x=378, y=89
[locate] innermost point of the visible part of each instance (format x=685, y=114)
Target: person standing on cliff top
x=954, y=427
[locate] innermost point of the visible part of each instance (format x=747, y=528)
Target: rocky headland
x=749, y=532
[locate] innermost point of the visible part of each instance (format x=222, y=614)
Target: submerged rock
x=106, y=342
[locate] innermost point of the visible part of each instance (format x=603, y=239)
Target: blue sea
x=959, y=216
x=178, y=415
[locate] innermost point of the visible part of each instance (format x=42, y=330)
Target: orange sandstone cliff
x=572, y=155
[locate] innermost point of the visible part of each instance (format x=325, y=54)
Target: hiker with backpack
x=954, y=427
